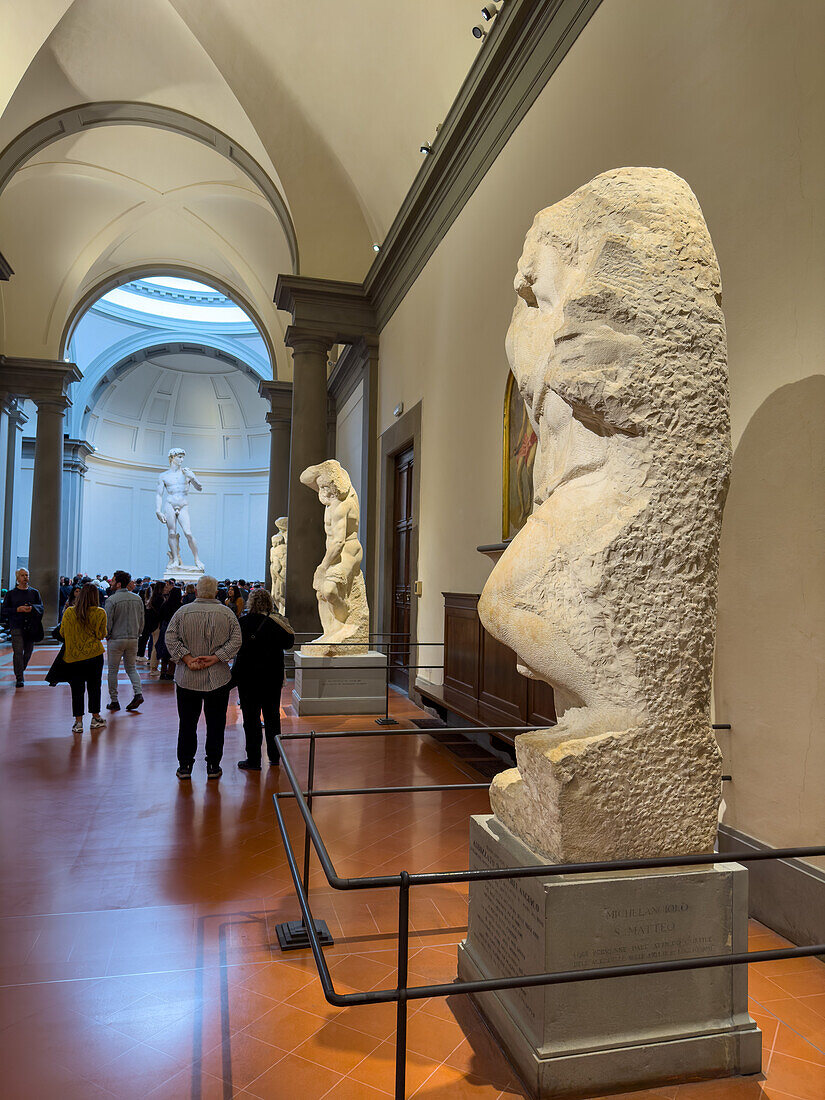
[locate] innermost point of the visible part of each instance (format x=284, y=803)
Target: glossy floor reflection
x=138, y=916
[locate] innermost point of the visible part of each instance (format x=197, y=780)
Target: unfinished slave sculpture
x=617, y=343
x=338, y=580
x=277, y=565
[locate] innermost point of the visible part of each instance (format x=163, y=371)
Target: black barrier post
x=292, y=934
x=401, y=1007
x=386, y=720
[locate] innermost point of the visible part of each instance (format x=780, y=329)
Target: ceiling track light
x=490, y=11
x=479, y=31
x=425, y=148
x=376, y=247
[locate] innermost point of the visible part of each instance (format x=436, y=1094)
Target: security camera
x=479, y=31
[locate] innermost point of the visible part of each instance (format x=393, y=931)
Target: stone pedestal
x=186, y=574
x=593, y=1038
x=340, y=685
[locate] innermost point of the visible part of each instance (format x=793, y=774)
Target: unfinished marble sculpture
x=277, y=565
x=338, y=580
x=617, y=343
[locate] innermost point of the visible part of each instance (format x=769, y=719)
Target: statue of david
x=176, y=481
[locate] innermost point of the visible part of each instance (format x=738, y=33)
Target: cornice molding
x=6, y=271
x=527, y=42
x=340, y=313
x=350, y=369
x=43, y=381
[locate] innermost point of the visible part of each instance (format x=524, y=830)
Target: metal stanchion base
x=385, y=722
x=292, y=935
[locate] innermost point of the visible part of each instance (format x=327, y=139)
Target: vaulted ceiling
x=237, y=141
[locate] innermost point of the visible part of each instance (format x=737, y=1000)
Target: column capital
x=75, y=453
x=279, y=396
x=308, y=340
x=44, y=381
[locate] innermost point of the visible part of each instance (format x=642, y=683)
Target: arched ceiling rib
x=104, y=202
x=76, y=120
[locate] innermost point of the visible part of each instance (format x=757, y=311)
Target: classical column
x=16, y=419
x=47, y=484
x=279, y=419
x=308, y=446
x=75, y=453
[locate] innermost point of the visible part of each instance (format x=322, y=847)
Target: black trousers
x=190, y=704
x=85, y=676
x=22, y=650
x=258, y=699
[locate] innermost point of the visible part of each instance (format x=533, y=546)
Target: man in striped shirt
x=202, y=637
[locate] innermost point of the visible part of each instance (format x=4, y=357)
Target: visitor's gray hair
x=259, y=602
x=207, y=588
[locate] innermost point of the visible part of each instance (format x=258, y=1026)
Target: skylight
x=220, y=310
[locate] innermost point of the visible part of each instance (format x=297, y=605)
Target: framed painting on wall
x=519, y=457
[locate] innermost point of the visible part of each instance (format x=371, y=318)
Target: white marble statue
x=176, y=481
x=277, y=565
x=338, y=580
x=617, y=343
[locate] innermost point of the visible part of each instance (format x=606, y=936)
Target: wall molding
x=6, y=270
x=788, y=895
x=527, y=42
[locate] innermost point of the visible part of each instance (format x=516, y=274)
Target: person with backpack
x=258, y=673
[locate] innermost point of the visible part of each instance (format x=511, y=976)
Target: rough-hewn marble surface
x=277, y=564
x=617, y=343
x=338, y=581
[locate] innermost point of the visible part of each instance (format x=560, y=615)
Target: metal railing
x=402, y=993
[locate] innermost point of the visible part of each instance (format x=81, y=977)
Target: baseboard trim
x=787, y=895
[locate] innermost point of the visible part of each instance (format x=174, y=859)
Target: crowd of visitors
x=207, y=638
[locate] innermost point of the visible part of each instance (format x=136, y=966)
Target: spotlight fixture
x=376, y=247
x=479, y=31
x=490, y=11
x=425, y=148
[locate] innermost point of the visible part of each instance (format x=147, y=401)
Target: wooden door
x=401, y=581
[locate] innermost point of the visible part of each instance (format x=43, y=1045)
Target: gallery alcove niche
x=166, y=361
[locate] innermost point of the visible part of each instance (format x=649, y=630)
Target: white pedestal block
x=188, y=574
x=340, y=685
x=593, y=1038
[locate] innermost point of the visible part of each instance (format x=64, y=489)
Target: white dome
x=194, y=400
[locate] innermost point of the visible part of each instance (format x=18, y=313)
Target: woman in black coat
x=174, y=598
x=258, y=673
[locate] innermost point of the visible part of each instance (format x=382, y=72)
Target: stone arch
x=87, y=116
x=128, y=275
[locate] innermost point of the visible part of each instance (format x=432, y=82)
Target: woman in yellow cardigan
x=83, y=628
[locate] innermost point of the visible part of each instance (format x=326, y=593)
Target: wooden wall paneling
x=462, y=638
x=502, y=695
x=541, y=708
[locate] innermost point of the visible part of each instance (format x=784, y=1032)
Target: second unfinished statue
x=617, y=343
x=338, y=581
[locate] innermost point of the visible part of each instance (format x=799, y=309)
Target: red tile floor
x=138, y=916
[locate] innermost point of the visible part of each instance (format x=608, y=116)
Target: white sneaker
x=97, y=723
x=78, y=726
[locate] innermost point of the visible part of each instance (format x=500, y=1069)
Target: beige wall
x=728, y=94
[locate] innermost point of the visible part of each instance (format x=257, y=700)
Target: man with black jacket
x=24, y=609
x=258, y=673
